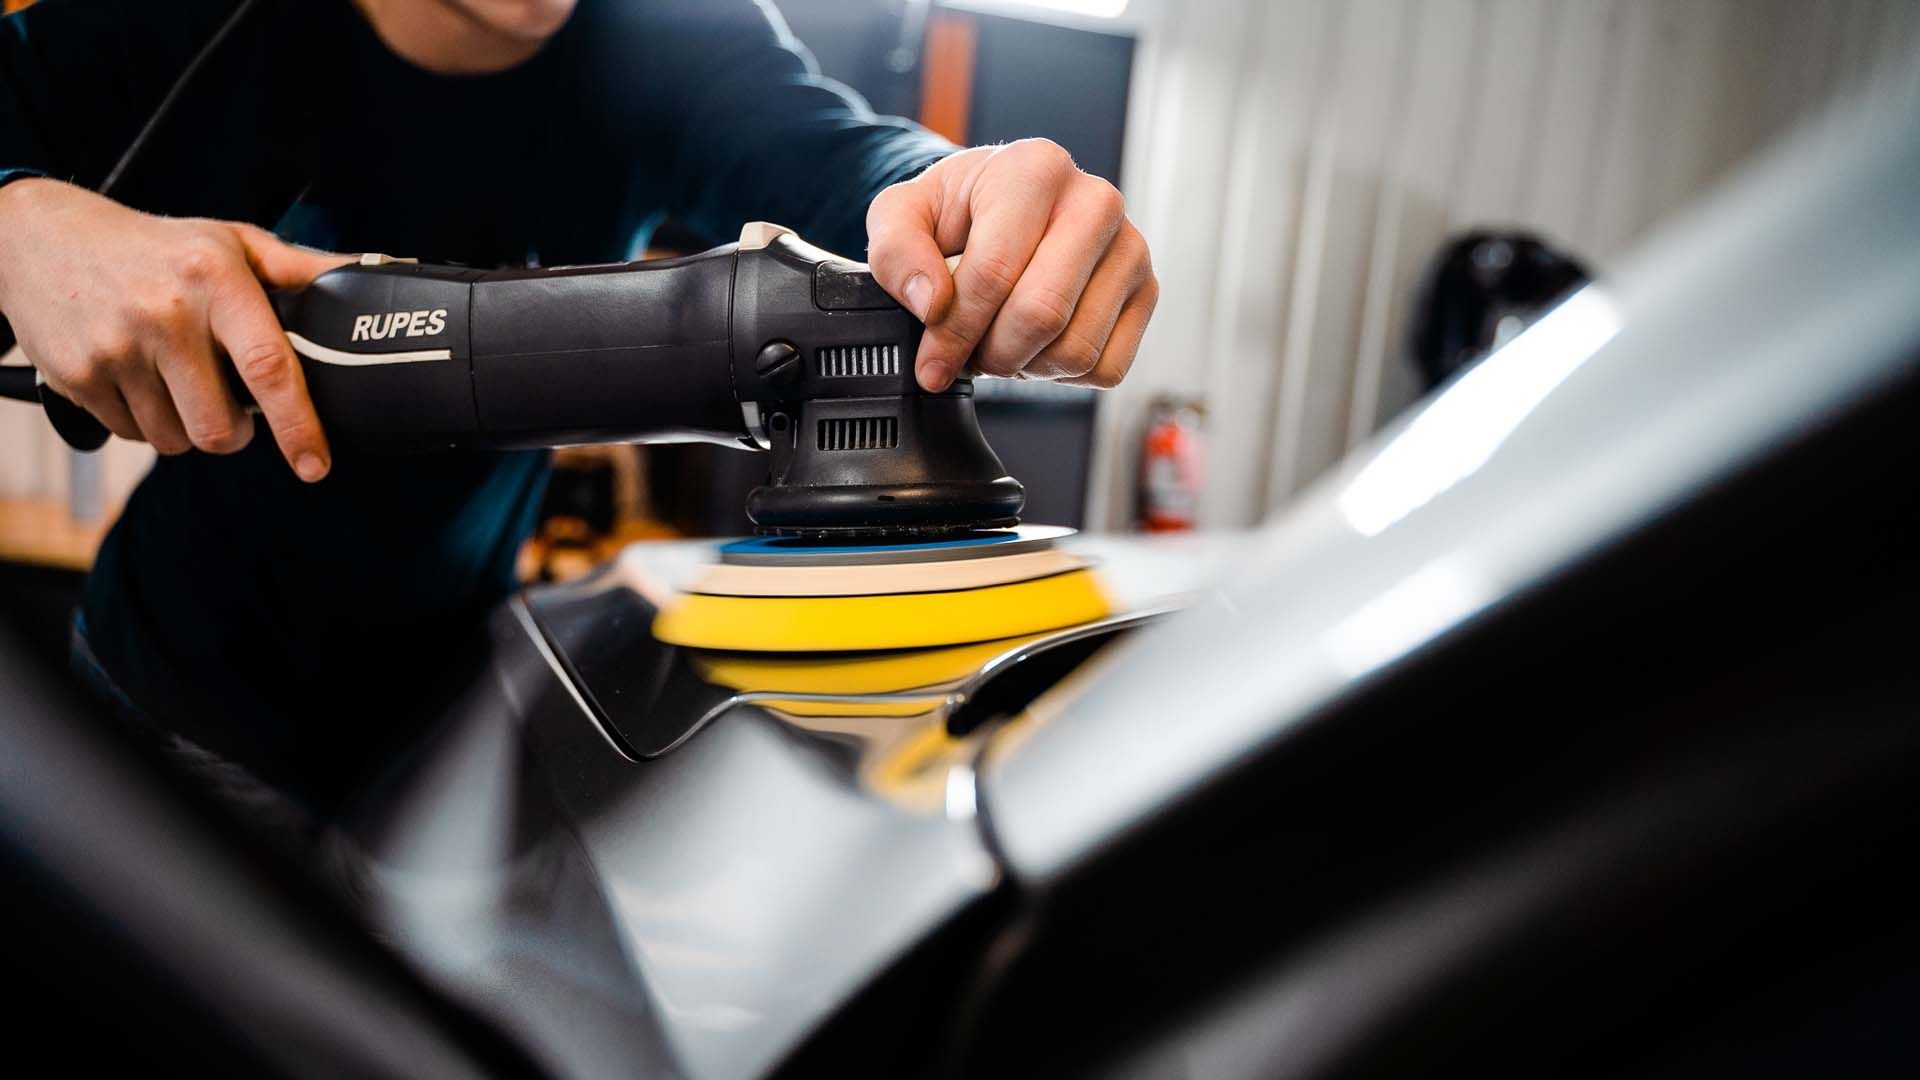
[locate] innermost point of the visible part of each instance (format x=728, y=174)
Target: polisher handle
x=400, y=356
x=22, y=382
x=403, y=356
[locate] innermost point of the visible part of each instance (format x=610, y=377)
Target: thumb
x=904, y=253
x=281, y=265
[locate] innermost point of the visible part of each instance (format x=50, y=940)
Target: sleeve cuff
x=9, y=175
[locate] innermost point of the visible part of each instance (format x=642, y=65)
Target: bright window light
x=1425, y=604
x=1088, y=9
x=960, y=793
x=1455, y=435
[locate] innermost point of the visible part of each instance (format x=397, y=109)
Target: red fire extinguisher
x=1172, y=466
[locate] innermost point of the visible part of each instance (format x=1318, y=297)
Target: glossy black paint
x=642, y=689
x=1658, y=835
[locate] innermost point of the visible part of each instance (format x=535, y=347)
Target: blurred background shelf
x=42, y=533
x=44, y=556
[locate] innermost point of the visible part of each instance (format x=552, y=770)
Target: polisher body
x=767, y=344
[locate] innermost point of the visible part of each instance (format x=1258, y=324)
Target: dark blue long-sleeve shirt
x=304, y=629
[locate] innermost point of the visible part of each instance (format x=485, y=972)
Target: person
x=289, y=610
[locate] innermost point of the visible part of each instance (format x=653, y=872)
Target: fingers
x=1117, y=357
x=902, y=251
x=1010, y=204
x=114, y=380
x=244, y=325
x=153, y=410
x=1053, y=281
x=281, y=265
x=111, y=410
x=102, y=398
x=176, y=406
x=213, y=420
x=1076, y=349
x=1053, y=292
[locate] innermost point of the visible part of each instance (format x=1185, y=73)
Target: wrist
x=15, y=180
x=16, y=194
x=18, y=189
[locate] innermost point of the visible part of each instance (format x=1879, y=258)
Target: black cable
x=18, y=383
x=179, y=86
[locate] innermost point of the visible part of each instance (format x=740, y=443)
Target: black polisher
x=769, y=344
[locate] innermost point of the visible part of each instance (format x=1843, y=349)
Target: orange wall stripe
x=946, y=75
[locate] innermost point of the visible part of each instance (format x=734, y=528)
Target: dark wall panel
x=1069, y=85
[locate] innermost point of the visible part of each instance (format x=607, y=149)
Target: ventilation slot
x=846, y=361
x=860, y=433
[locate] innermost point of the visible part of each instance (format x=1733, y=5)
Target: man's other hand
x=1053, y=281
x=135, y=318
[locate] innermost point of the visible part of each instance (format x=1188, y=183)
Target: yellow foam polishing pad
x=887, y=707
x=873, y=673
x=890, y=621
x=893, y=672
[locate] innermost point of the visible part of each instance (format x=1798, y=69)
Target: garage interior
x=1356, y=209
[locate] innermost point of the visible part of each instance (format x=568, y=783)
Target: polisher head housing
x=858, y=448
x=912, y=464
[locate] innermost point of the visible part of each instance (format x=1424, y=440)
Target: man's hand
x=1053, y=281
x=135, y=318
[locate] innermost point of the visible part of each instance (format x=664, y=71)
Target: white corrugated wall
x=1296, y=162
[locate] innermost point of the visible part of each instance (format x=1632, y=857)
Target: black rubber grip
x=626, y=353
x=405, y=357
x=71, y=422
